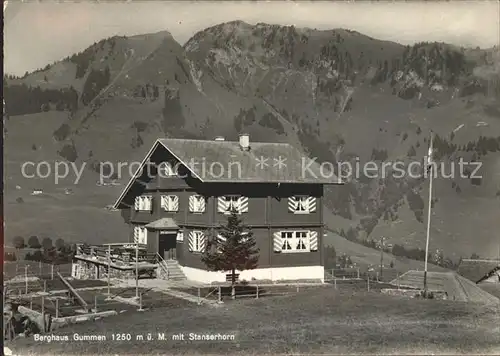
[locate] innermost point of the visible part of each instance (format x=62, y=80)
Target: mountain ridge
x=335, y=94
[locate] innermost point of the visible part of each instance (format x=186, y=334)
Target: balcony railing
x=116, y=253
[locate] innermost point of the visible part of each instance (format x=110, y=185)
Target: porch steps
x=170, y=270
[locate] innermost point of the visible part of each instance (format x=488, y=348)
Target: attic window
x=167, y=169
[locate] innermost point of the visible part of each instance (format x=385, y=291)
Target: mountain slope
x=338, y=95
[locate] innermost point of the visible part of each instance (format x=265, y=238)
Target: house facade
x=185, y=190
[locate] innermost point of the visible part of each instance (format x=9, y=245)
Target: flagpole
x=429, y=160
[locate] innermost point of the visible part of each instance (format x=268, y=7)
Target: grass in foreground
x=315, y=321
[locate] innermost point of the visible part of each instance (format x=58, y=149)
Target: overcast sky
x=38, y=33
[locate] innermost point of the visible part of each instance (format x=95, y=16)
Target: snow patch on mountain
x=196, y=75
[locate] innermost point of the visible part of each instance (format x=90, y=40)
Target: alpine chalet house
x=185, y=189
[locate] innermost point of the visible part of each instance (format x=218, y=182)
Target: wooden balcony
x=117, y=255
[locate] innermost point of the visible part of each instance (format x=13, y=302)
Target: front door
x=167, y=245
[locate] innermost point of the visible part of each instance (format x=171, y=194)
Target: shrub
x=33, y=242
x=18, y=242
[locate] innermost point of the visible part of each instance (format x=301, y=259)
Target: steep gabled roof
x=477, y=270
x=225, y=162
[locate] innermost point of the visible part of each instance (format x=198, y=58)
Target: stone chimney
x=245, y=142
x=219, y=138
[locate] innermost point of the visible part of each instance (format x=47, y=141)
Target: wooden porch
x=123, y=256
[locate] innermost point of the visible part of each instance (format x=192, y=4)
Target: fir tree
x=233, y=249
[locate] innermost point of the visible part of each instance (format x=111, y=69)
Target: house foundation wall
x=306, y=273
x=89, y=270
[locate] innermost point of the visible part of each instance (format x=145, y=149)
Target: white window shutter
x=202, y=204
x=222, y=204
x=149, y=200
x=311, y=204
x=292, y=204
x=137, y=203
x=136, y=234
x=197, y=204
x=180, y=236
x=277, y=241
x=174, y=203
x=201, y=242
x=313, y=240
x=243, y=205
x=192, y=203
x=192, y=241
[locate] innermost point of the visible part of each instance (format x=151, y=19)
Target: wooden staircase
x=170, y=270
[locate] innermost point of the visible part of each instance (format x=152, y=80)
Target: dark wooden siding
x=267, y=257
x=267, y=213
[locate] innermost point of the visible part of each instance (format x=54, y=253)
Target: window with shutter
x=228, y=203
x=197, y=204
x=301, y=204
x=292, y=241
x=196, y=241
x=170, y=203
x=143, y=203
x=140, y=235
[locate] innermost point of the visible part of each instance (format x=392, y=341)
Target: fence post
x=358, y=272
x=140, y=303
x=43, y=312
x=368, y=283
x=95, y=304
x=40, y=266
x=45, y=286
x=335, y=283
x=31, y=302
x=257, y=292
x=377, y=276
x=398, y=280
x=52, y=271
x=297, y=288
x=57, y=308
x=26, y=279
x=199, y=296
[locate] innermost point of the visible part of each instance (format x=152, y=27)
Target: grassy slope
x=322, y=321
x=364, y=256
x=372, y=111
x=53, y=214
